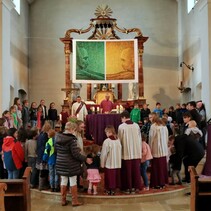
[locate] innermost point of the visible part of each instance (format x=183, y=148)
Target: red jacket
x=14, y=149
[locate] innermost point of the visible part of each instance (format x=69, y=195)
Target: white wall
x=50, y=19
x=19, y=48
x=194, y=48
x=5, y=65
x=14, y=52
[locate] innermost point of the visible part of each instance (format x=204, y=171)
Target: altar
x=102, y=72
x=96, y=124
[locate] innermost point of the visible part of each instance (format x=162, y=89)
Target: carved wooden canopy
x=105, y=28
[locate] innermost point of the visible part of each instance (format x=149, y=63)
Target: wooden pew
x=3, y=187
x=17, y=196
x=200, y=191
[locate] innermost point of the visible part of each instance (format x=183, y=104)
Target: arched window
x=17, y=5
x=191, y=4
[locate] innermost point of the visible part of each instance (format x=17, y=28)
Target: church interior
x=173, y=66
x=33, y=58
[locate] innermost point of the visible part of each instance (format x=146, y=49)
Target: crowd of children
x=41, y=144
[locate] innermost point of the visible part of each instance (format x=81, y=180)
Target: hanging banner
x=105, y=61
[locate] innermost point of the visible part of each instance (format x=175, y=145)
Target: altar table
x=96, y=124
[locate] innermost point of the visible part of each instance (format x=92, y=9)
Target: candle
x=117, y=107
x=98, y=109
x=121, y=108
x=93, y=109
x=60, y=117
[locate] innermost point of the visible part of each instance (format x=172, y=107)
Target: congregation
x=147, y=143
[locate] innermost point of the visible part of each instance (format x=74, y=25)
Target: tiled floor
x=173, y=202
x=169, y=199
x=180, y=203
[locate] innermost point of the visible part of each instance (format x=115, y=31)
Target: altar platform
x=119, y=198
x=147, y=199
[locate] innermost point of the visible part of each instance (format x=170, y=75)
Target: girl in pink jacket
x=145, y=161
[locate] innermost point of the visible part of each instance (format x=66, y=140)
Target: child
x=14, y=116
x=145, y=160
x=50, y=157
x=63, y=117
x=8, y=119
x=111, y=155
x=175, y=167
x=39, y=118
x=158, y=110
x=25, y=114
x=13, y=154
x=33, y=114
x=31, y=154
x=135, y=114
x=52, y=115
x=93, y=175
x=3, y=134
x=170, y=145
x=193, y=130
x=146, y=127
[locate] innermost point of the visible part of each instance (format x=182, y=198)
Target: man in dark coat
x=189, y=151
x=68, y=161
x=194, y=113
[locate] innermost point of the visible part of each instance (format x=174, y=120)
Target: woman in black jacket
x=68, y=161
x=189, y=151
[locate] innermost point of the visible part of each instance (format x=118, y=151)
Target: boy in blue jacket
x=50, y=157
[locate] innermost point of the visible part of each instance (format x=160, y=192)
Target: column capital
x=8, y=4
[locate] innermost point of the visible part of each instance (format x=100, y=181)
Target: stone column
x=5, y=67
x=141, y=40
x=89, y=91
x=68, y=81
x=119, y=87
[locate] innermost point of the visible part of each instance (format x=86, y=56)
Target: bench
x=17, y=195
x=3, y=188
x=200, y=191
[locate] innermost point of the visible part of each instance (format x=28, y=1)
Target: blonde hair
x=154, y=116
x=71, y=126
x=164, y=121
x=80, y=122
x=192, y=123
x=46, y=127
x=110, y=128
